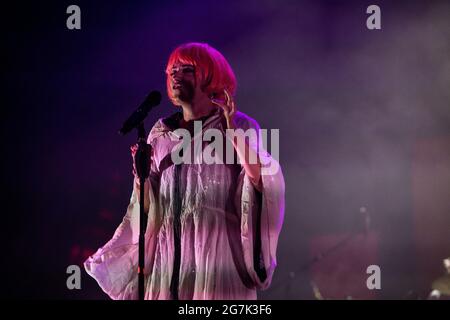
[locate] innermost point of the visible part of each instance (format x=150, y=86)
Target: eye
x=188, y=69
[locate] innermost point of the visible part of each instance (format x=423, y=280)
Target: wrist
x=231, y=124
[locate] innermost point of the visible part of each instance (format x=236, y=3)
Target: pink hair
x=211, y=68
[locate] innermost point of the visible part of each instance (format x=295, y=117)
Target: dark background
x=356, y=110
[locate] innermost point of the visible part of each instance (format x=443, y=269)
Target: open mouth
x=177, y=85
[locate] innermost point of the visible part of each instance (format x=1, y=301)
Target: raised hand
x=229, y=108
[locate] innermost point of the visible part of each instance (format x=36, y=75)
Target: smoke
x=350, y=103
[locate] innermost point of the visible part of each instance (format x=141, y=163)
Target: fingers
x=221, y=104
x=229, y=99
x=228, y=106
x=227, y=96
x=137, y=182
x=230, y=102
x=134, y=149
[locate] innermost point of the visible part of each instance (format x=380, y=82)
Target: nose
x=176, y=76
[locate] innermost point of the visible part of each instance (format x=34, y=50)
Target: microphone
x=152, y=100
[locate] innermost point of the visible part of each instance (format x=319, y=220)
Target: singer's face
x=183, y=82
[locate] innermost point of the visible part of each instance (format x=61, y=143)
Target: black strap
x=176, y=234
x=258, y=261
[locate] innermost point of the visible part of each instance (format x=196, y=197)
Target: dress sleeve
x=262, y=213
x=114, y=266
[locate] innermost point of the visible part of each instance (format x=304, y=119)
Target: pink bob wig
x=211, y=69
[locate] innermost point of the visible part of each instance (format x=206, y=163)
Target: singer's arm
x=245, y=153
x=243, y=150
